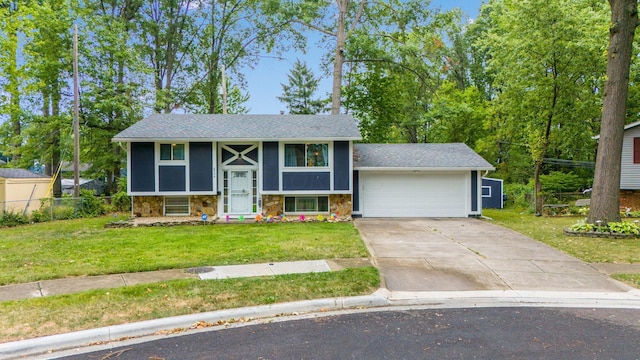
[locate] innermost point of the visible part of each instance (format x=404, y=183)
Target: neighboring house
x=630, y=167
x=244, y=165
x=21, y=190
x=97, y=186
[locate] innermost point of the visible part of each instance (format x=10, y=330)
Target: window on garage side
x=636, y=150
x=306, y=155
x=171, y=151
x=176, y=205
x=306, y=204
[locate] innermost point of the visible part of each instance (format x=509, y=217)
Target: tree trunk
x=341, y=37
x=605, y=199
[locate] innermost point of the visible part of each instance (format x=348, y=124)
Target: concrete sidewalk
x=84, y=283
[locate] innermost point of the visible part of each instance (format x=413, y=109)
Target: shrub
x=622, y=227
x=90, y=205
x=518, y=195
x=120, y=201
x=10, y=218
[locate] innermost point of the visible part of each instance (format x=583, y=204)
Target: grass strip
x=549, y=230
x=84, y=247
x=629, y=279
x=64, y=313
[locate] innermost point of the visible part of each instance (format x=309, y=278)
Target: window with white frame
x=171, y=151
x=306, y=204
x=176, y=205
x=486, y=191
x=306, y=155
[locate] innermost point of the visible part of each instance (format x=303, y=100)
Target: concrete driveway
x=471, y=254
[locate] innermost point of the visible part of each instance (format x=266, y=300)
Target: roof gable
x=456, y=156
x=241, y=127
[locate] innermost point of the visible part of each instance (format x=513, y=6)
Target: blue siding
x=270, y=166
x=142, y=167
x=292, y=181
x=474, y=191
x=200, y=166
x=495, y=200
x=172, y=178
x=341, y=165
x=356, y=191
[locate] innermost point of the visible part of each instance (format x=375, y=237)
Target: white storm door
x=240, y=192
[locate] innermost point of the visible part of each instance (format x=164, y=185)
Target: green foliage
x=90, y=205
x=582, y=226
x=545, y=65
x=518, y=195
x=558, y=182
x=120, y=201
x=298, y=94
x=622, y=227
x=10, y=218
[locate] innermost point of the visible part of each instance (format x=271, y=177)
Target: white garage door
x=410, y=194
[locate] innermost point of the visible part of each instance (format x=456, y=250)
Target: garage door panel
x=406, y=194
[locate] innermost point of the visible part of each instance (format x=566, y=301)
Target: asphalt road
x=476, y=333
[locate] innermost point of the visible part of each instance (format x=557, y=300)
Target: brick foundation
x=630, y=199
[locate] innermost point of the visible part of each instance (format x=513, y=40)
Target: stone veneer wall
x=338, y=204
x=207, y=204
x=272, y=205
x=144, y=206
x=152, y=206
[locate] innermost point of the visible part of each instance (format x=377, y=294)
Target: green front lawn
x=98, y=308
x=84, y=247
x=549, y=231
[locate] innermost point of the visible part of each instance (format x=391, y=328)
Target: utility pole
x=76, y=116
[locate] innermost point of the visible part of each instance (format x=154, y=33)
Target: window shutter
x=636, y=150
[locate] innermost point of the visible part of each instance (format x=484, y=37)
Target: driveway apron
x=471, y=254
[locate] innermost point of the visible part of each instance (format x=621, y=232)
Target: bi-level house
x=244, y=165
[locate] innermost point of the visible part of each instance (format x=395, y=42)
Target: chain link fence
x=66, y=207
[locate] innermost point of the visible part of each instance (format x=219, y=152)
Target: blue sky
x=264, y=81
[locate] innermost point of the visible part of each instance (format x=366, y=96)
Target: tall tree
x=547, y=59
x=12, y=83
x=169, y=31
x=298, y=94
x=394, y=76
x=48, y=60
x=337, y=23
x=113, y=80
x=605, y=199
x=228, y=39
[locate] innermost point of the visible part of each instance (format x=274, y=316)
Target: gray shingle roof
x=418, y=156
x=241, y=127
x=10, y=173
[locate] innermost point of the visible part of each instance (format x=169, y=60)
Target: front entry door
x=240, y=192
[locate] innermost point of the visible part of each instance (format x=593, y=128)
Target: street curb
x=379, y=299
x=48, y=344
